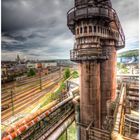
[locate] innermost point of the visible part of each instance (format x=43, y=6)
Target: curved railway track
x=17, y=93
x=34, y=79
x=30, y=94
x=7, y=93
x=7, y=96
x=25, y=102
x=26, y=88
x=21, y=95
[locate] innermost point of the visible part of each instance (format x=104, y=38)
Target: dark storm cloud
x=38, y=28
x=24, y=14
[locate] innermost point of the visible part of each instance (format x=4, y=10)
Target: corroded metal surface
x=98, y=34
x=108, y=81
x=90, y=91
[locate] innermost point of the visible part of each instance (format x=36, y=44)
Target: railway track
x=26, y=96
x=29, y=80
x=25, y=102
x=19, y=90
x=21, y=95
x=22, y=90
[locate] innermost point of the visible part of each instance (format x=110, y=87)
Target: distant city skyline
x=37, y=29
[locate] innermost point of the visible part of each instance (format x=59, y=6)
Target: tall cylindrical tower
x=98, y=34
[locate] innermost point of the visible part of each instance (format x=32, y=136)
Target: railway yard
x=51, y=120
x=27, y=115
x=21, y=95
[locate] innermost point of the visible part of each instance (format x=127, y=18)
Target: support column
x=90, y=95
x=108, y=80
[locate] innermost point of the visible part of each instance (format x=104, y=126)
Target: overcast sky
x=37, y=29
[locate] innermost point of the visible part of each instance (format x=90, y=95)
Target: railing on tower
x=88, y=54
x=85, y=11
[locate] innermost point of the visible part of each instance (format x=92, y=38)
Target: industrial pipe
x=27, y=119
x=61, y=129
x=19, y=130
x=133, y=98
x=116, y=135
x=76, y=102
x=133, y=118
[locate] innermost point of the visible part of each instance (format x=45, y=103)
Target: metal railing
x=119, y=113
x=88, y=54
x=98, y=134
x=93, y=133
x=84, y=11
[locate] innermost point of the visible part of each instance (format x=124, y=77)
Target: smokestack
x=98, y=34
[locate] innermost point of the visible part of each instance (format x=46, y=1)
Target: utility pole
x=66, y=135
x=12, y=101
x=60, y=72
x=40, y=79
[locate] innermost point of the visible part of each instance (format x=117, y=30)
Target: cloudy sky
x=37, y=29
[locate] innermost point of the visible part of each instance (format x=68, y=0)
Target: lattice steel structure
x=98, y=34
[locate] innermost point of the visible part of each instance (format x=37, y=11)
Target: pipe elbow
x=116, y=136
x=76, y=100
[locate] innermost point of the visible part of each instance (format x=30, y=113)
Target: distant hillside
x=131, y=53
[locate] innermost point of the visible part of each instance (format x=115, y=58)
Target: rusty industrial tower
x=98, y=35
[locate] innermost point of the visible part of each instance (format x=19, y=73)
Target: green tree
x=66, y=73
x=130, y=53
x=31, y=72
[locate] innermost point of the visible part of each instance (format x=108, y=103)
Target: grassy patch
x=55, y=95
x=71, y=133
x=75, y=74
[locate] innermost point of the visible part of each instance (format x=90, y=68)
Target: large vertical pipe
x=108, y=80
x=90, y=95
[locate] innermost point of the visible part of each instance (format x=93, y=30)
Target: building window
x=99, y=29
x=104, y=31
x=90, y=29
x=85, y=29
x=95, y=29
x=81, y=30
x=109, y=32
x=78, y=31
